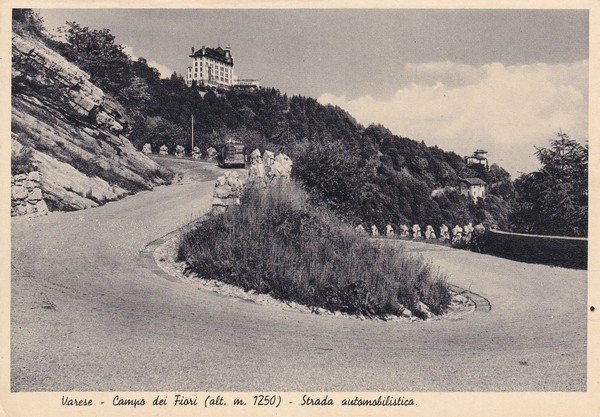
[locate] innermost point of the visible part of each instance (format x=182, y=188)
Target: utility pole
x=192, y=133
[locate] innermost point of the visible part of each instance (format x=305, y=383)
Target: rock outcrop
x=76, y=133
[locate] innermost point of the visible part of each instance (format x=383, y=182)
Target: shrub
x=278, y=243
x=22, y=162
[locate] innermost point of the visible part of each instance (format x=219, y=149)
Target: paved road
x=87, y=314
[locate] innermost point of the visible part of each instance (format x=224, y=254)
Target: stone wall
x=570, y=252
x=26, y=195
x=228, y=189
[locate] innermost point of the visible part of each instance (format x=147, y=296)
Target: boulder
x=416, y=231
x=179, y=151
x=429, y=232
x=457, y=235
x=223, y=191
x=281, y=167
x=19, y=178
x=424, y=310
x=268, y=160
x=227, y=192
x=404, y=231
x=444, y=234
x=374, y=231
x=18, y=192
x=256, y=173
x=211, y=153
x=41, y=207
x=468, y=229
x=163, y=150
x=30, y=208
x=147, y=149
x=479, y=229
x=389, y=230
x=196, y=152
x=34, y=195
x=34, y=176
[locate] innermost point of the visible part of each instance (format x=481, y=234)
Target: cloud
x=165, y=72
x=505, y=109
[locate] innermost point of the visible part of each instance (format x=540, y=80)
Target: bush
x=278, y=243
x=22, y=162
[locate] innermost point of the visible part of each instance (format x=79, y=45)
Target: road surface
x=88, y=314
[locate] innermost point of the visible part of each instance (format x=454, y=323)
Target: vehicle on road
x=232, y=155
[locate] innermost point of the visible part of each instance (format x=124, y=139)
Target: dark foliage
x=21, y=162
x=26, y=20
x=554, y=199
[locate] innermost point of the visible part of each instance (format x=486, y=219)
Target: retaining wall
x=570, y=252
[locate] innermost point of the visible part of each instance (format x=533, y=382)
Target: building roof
x=217, y=53
x=473, y=181
x=479, y=157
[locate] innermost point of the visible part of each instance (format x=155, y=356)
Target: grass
x=279, y=244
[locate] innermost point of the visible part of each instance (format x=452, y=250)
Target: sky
x=502, y=80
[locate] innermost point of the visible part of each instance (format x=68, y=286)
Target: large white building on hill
x=214, y=68
x=211, y=67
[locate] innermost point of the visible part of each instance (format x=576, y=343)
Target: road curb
x=482, y=304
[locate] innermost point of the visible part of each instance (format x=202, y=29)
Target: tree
x=95, y=52
x=29, y=21
x=554, y=199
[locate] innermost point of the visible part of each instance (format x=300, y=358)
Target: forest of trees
x=365, y=174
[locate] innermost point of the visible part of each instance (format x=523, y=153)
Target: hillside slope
x=73, y=131
x=365, y=174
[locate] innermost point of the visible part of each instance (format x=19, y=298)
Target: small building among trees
x=473, y=187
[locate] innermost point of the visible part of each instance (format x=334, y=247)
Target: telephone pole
x=192, y=133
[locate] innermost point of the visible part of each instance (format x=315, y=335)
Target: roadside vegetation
x=277, y=242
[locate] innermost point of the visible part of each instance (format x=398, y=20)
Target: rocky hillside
x=72, y=132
